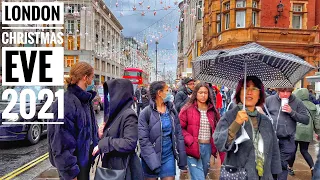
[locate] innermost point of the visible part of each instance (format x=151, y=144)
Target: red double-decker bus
x=136, y=76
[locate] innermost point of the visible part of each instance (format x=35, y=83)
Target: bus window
x=131, y=73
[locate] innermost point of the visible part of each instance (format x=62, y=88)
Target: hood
x=302, y=94
x=121, y=97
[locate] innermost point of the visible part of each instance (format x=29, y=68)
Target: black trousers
x=140, y=107
x=287, y=149
x=304, y=146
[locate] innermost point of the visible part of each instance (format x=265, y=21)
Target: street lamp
x=157, y=60
x=280, y=10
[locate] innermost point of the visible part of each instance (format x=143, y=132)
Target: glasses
x=190, y=84
x=252, y=89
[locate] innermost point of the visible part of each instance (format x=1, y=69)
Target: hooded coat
x=70, y=142
x=121, y=131
x=150, y=137
x=305, y=132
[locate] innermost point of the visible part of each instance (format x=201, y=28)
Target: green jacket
x=305, y=132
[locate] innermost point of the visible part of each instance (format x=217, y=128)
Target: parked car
x=14, y=132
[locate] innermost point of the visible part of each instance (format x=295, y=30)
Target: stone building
x=189, y=35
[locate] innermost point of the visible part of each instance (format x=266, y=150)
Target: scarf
x=257, y=142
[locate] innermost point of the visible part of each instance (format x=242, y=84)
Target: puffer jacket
x=305, y=132
x=69, y=143
x=150, y=136
x=190, y=124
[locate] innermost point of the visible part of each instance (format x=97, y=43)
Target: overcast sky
x=164, y=23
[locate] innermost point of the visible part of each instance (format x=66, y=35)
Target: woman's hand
x=95, y=151
x=241, y=117
x=101, y=128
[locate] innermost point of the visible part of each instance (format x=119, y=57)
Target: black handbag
x=228, y=172
x=110, y=174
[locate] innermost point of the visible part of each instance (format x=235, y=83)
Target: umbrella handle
x=244, y=86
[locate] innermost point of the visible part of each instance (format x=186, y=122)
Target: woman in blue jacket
x=160, y=136
x=71, y=143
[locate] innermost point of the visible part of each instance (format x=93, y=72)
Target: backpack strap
x=147, y=114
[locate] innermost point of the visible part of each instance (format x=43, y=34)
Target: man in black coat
x=142, y=98
x=184, y=94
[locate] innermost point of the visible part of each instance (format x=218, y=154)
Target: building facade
x=288, y=26
x=93, y=34
x=189, y=35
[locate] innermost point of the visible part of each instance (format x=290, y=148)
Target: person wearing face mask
x=286, y=111
x=160, y=136
x=71, y=143
x=199, y=118
x=184, y=94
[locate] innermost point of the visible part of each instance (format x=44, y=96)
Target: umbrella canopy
x=227, y=67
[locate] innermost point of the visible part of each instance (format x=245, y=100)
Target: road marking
x=25, y=167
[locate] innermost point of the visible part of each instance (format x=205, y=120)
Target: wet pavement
x=14, y=155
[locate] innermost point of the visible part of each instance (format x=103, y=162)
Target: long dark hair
x=209, y=101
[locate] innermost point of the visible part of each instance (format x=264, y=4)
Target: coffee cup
x=284, y=101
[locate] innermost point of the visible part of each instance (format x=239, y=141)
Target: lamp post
x=157, y=60
x=280, y=10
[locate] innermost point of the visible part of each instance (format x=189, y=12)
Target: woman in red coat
x=198, y=119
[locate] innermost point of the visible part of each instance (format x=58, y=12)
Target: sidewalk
x=52, y=174
x=302, y=171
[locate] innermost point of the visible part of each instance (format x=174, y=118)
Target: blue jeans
x=199, y=168
x=316, y=171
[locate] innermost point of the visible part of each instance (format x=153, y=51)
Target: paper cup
x=284, y=101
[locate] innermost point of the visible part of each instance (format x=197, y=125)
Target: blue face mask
x=91, y=86
x=168, y=98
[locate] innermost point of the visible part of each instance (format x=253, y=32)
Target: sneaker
x=290, y=172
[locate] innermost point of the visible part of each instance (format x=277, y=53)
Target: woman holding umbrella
x=259, y=156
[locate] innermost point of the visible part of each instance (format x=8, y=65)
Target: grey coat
x=287, y=122
x=246, y=154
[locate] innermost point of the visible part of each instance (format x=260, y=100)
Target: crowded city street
x=160, y=90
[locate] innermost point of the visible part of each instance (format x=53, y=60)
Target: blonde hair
x=78, y=71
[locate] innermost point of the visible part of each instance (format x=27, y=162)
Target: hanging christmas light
x=141, y=3
x=134, y=8
x=143, y=14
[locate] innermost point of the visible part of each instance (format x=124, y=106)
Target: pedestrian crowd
x=254, y=131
